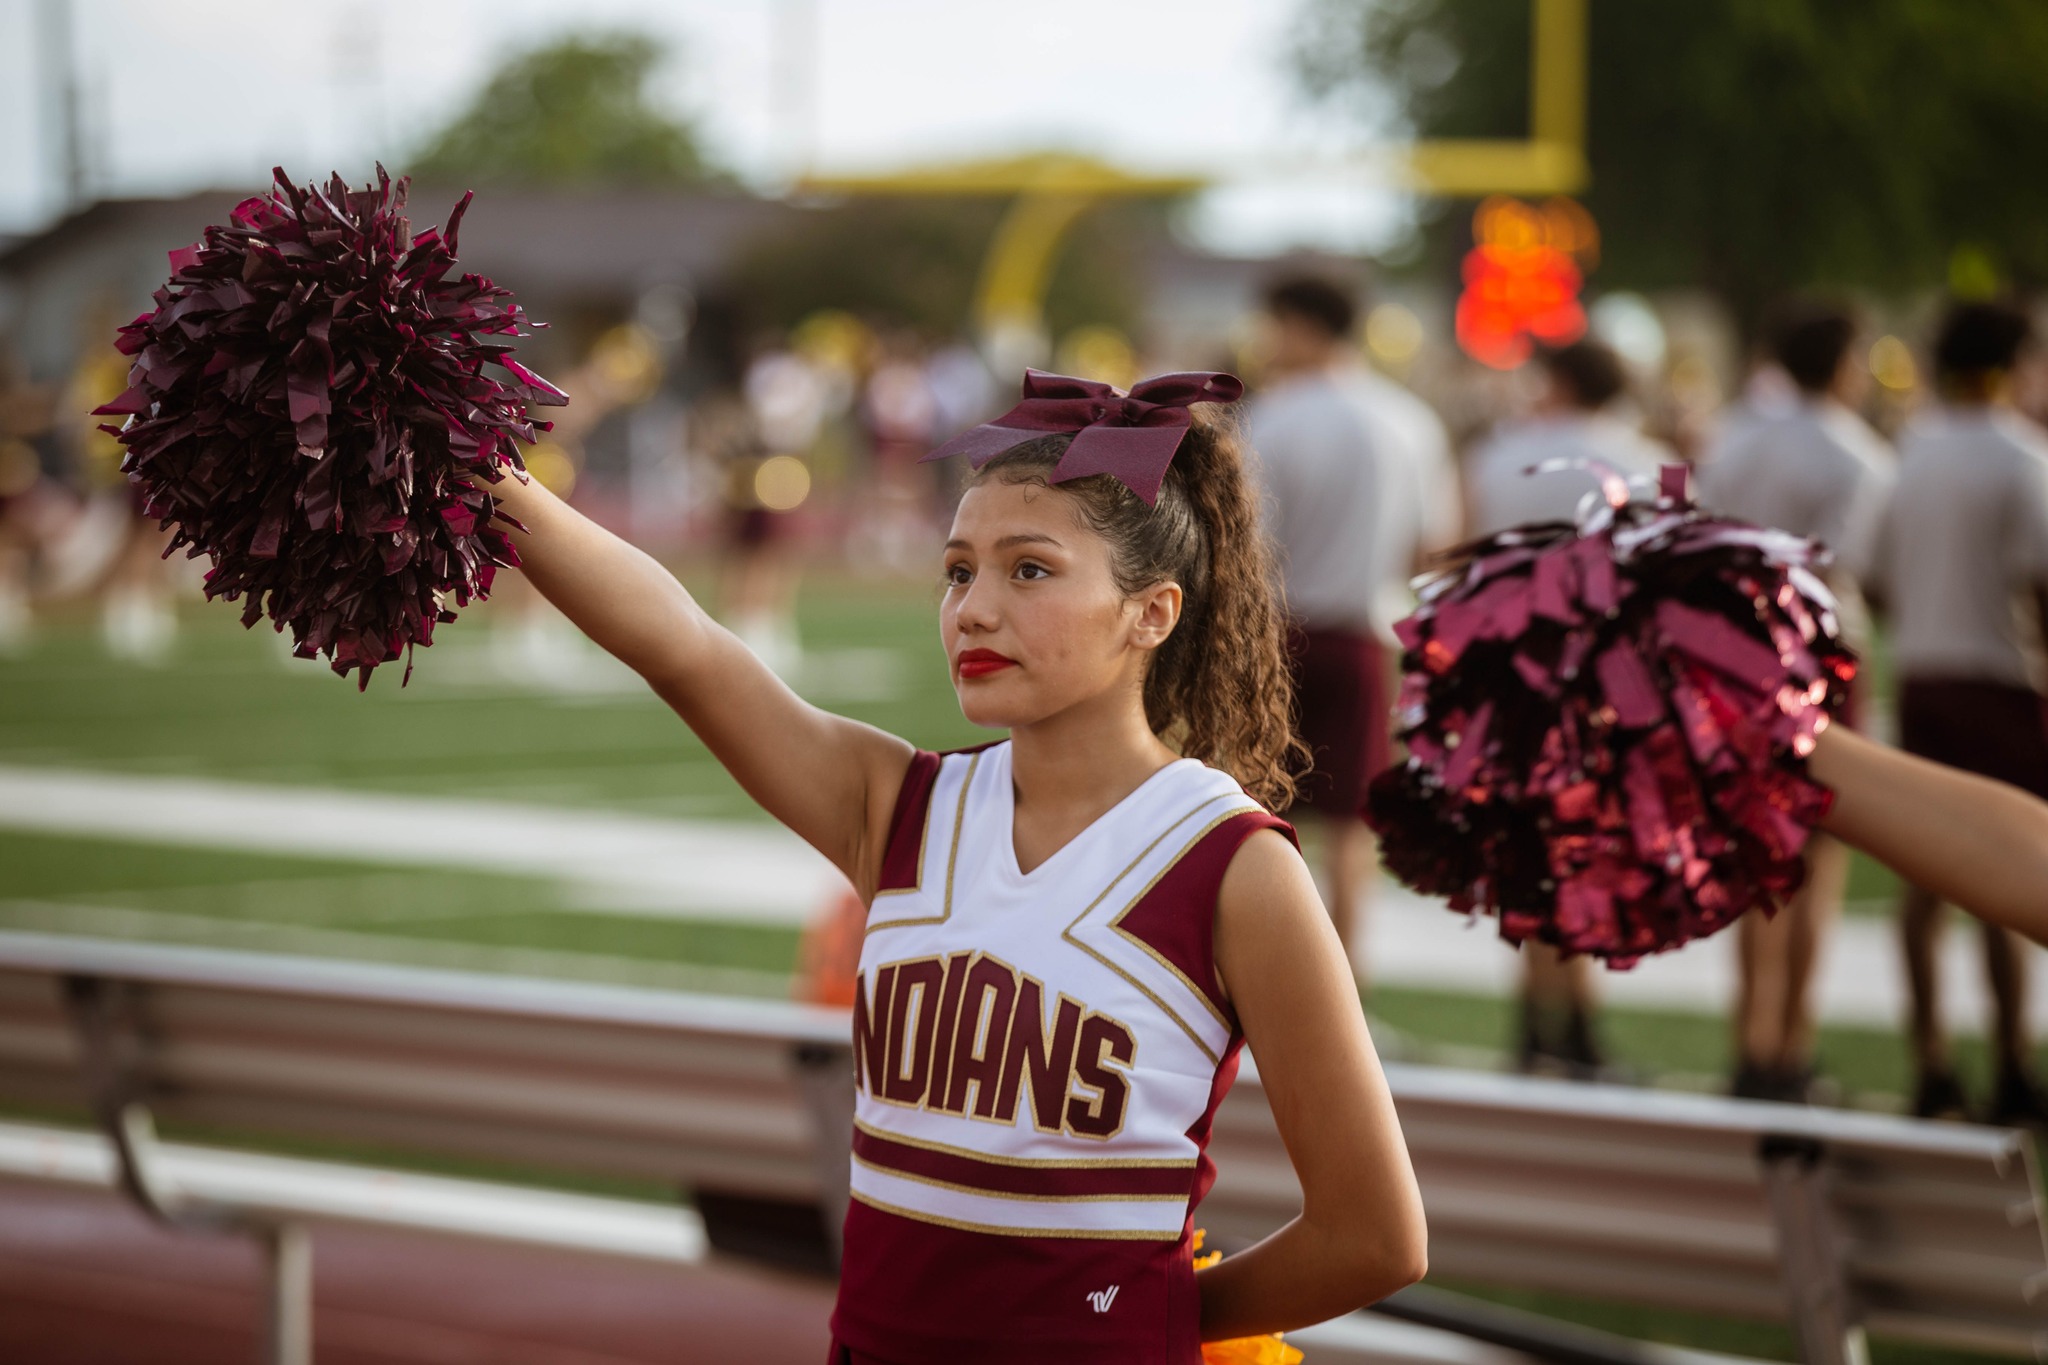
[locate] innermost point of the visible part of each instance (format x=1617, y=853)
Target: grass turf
x=429, y=915
x=228, y=705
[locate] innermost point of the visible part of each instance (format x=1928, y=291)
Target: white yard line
x=1416, y=942
x=758, y=873
x=686, y=868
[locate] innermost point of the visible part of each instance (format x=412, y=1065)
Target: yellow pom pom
x=1265, y=1350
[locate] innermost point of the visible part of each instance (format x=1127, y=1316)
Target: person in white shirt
x=1815, y=469
x=1574, y=420
x=1360, y=488
x=1959, y=563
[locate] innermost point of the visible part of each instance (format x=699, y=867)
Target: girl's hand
x=1980, y=844
x=1360, y=1235
x=832, y=780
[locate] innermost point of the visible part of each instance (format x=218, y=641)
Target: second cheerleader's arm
x=1980, y=844
x=832, y=780
x=1360, y=1234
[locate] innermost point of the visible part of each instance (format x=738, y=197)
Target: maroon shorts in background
x=845, y=1355
x=752, y=527
x=1993, y=729
x=1340, y=705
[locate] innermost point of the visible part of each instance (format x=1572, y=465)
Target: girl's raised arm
x=1978, y=843
x=832, y=780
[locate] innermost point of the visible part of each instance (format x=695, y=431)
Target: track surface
x=86, y=1280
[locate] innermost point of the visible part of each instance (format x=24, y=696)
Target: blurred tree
x=915, y=261
x=1747, y=146
x=574, y=112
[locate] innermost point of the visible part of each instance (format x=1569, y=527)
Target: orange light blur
x=1523, y=277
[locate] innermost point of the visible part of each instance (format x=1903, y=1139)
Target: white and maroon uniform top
x=1038, y=1058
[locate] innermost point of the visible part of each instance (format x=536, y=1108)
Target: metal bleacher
x=1832, y=1222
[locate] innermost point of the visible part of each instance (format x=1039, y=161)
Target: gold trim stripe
x=952, y=855
x=924, y=837
x=1036, y=1163
x=1068, y=933
x=982, y=1192
x=959, y=819
x=1116, y=922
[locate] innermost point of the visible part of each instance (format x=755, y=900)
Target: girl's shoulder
x=1250, y=817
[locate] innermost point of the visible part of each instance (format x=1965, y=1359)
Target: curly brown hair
x=1218, y=690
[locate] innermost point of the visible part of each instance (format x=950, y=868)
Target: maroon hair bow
x=1132, y=436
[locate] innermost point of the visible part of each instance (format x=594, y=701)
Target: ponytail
x=1218, y=689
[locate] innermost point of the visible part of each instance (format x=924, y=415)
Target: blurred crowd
x=69, y=523
x=804, y=442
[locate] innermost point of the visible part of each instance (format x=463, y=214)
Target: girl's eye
x=1029, y=570
x=958, y=575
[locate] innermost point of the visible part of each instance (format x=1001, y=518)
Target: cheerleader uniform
x=1038, y=1059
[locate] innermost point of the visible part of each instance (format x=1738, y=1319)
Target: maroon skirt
x=1993, y=729
x=1340, y=705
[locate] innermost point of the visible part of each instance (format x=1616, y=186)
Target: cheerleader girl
x=1074, y=930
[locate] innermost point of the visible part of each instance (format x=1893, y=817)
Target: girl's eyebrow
x=1020, y=538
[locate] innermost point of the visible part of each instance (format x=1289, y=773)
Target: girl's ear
x=1158, y=611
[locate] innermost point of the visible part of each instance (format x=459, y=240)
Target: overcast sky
x=183, y=94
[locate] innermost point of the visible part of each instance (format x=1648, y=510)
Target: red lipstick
x=981, y=663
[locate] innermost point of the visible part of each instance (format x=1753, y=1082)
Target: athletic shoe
x=1583, y=1057
x=1940, y=1096
x=1778, y=1084
x=1752, y=1081
x=2017, y=1102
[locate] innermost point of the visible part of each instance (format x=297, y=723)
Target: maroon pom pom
x=1607, y=726
x=308, y=408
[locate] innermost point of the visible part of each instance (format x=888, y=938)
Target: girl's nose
x=976, y=610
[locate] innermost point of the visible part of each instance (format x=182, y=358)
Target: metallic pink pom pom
x=1608, y=724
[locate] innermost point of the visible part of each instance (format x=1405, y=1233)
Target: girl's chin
x=991, y=713
x=988, y=717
